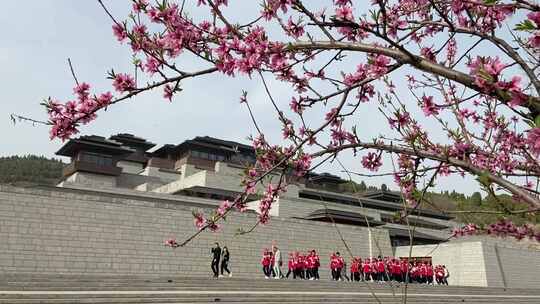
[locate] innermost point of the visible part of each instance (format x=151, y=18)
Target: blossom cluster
x=65, y=118
x=502, y=228
x=534, y=39
x=171, y=243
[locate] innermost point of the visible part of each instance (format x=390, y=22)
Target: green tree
x=476, y=199
x=362, y=187
x=30, y=168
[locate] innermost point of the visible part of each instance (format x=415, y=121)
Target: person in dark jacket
x=216, y=255
x=225, y=256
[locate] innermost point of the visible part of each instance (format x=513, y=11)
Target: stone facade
x=74, y=231
x=483, y=262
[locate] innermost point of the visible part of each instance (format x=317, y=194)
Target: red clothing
x=404, y=267
x=439, y=272
x=340, y=262
x=301, y=263
x=367, y=268
x=355, y=266
x=310, y=262
x=333, y=262
x=429, y=270
x=265, y=261
x=380, y=266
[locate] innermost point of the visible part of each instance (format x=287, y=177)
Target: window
x=97, y=159
x=195, y=154
x=206, y=155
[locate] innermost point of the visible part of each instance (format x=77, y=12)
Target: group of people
x=398, y=270
x=306, y=266
x=220, y=260
x=271, y=263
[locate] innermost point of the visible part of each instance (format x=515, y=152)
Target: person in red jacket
x=340, y=266
x=317, y=265
x=301, y=266
x=439, y=274
x=367, y=270
x=405, y=275
x=423, y=273
x=296, y=265
x=265, y=262
x=355, y=269
x=429, y=273
x=290, y=265
x=313, y=265
x=333, y=266
x=379, y=264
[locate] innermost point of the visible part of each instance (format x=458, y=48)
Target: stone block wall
x=518, y=267
x=465, y=261
x=90, y=180
x=483, y=262
x=51, y=230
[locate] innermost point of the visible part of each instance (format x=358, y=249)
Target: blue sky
x=33, y=56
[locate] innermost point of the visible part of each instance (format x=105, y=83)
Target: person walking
x=277, y=263
x=225, y=257
x=446, y=275
x=266, y=263
x=216, y=255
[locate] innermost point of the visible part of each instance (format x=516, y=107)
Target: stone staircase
x=32, y=289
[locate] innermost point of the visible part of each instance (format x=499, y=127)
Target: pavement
x=78, y=289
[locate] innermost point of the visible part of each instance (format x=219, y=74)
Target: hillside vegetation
x=31, y=169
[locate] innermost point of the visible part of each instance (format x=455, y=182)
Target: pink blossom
x=168, y=92
x=214, y=227
x=152, y=65
x=379, y=65
x=296, y=106
x=139, y=5
x=372, y=161
x=451, y=50
x=427, y=52
x=342, y=2
x=265, y=204
x=302, y=164
x=533, y=140
x=223, y=207
x=295, y=29
x=119, y=32
x=123, y=83
x=199, y=220
x=534, y=40
x=171, y=243
x=534, y=17
x=469, y=229
x=344, y=13
x=104, y=99
x=82, y=90
x=428, y=107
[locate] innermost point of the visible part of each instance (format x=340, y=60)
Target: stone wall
x=483, y=262
x=55, y=230
x=518, y=267
x=90, y=180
